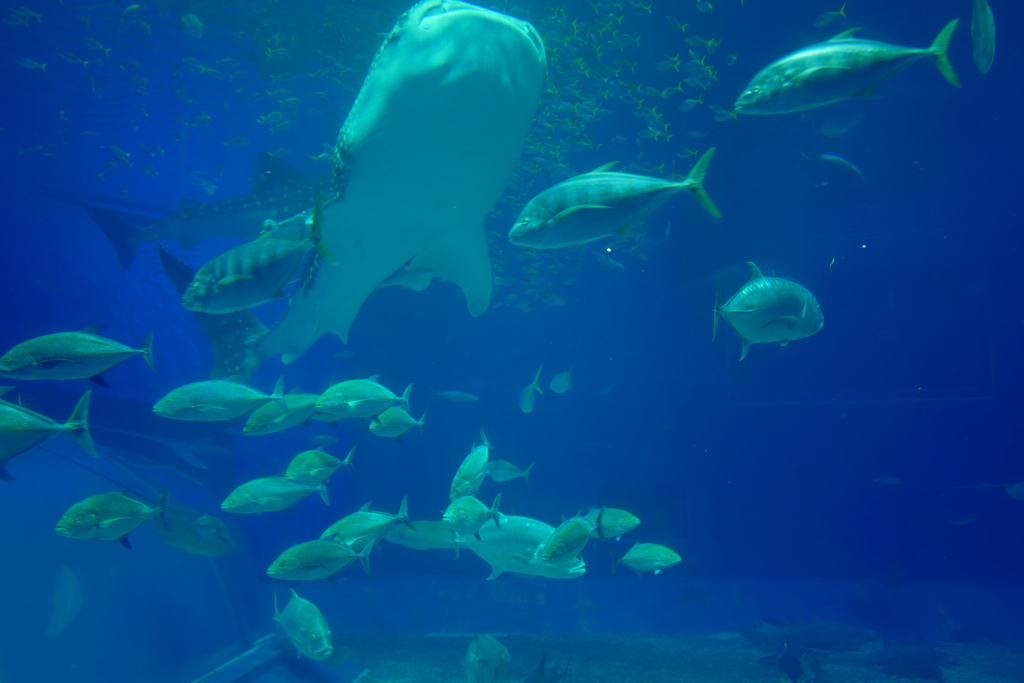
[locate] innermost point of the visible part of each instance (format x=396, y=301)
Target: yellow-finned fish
x=835, y=70
x=107, y=517
x=21, y=429
x=71, y=355
x=305, y=626
x=769, y=309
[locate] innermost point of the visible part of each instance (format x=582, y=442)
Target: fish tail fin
x=347, y=462
x=483, y=438
x=405, y=397
x=600, y=524
x=364, y=557
x=403, y=513
x=161, y=505
x=493, y=512
x=536, y=387
x=147, y=350
x=718, y=308
x=842, y=10
x=78, y=423
x=278, y=394
x=316, y=232
x=421, y=421
x=938, y=50
x=526, y=474
x=694, y=183
x=324, y=492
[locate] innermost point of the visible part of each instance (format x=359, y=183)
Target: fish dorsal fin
x=294, y=594
x=365, y=507
x=93, y=329
x=755, y=272
x=606, y=167
x=845, y=35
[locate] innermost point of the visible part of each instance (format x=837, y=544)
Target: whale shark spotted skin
x=423, y=155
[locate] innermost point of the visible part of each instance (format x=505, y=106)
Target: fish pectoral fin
x=232, y=279
x=565, y=213
x=98, y=379
x=205, y=408
x=805, y=75
x=789, y=321
x=54, y=362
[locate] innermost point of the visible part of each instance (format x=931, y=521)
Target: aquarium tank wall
x=616, y=340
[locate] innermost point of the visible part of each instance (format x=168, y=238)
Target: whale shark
x=424, y=153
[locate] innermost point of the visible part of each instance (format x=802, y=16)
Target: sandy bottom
x=642, y=659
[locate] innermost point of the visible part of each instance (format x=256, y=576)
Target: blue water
x=759, y=473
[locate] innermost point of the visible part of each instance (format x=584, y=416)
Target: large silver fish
x=515, y=547
x=426, y=151
x=71, y=355
x=769, y=309
x=252, y=273
x=305, y=626
x=21, y=429
x=600, y=204
x=838, y=69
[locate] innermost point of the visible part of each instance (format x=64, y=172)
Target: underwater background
x=855, y=476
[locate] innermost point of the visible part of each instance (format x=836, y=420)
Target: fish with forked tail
x=769, y=309
x=601, y=204
x=838, y=69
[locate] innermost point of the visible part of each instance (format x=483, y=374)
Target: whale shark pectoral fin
x=462, y=257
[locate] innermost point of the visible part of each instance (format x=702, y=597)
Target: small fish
x=26, y=63
x=465, y=515
x=828, y=17
x=305, y=626
x=191, y=26
x=835, y=70
x=71, y=355
x=645, y=557
x=889, y=481
x=365, y=527
x=562, y=382
x=394, y=422
x=831, y=170
x=215, y=400
x=107, y=517
x=472, y=471
x=457, y=396
x=269, y=494
x=983, y=35
x=271, y=417
x=502, y=471
x=569, y=538
x=194, y=532
x=613, y=522
x=315, y=467
x=486, y=660
x=22, y=429
x=601, y=204
x=358, y=398
x=314, y=560
x=253, y=273
x=769, y=309
x=526, y=397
